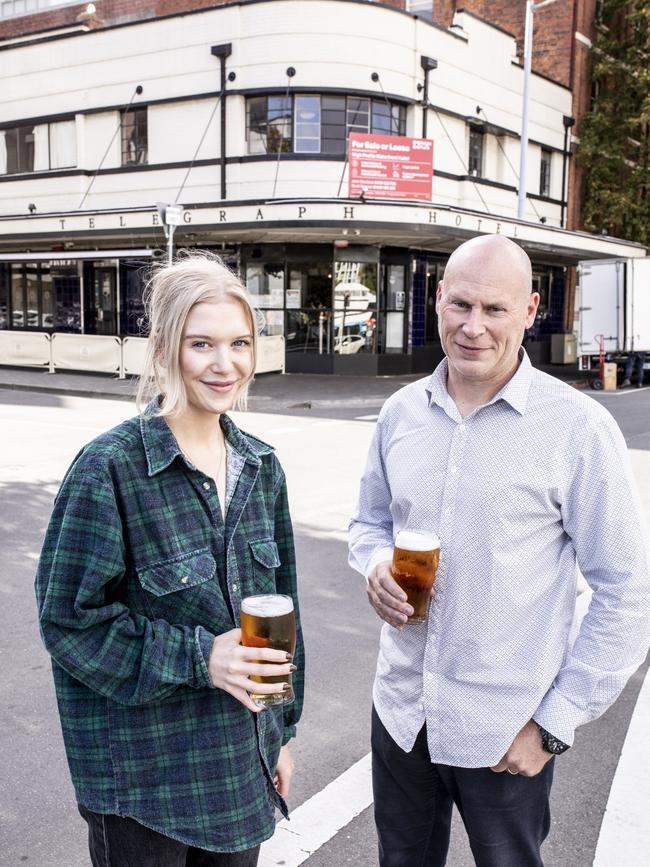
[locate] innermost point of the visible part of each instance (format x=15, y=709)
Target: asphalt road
x=323, y=453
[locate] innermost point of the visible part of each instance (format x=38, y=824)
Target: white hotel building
x=240, y=113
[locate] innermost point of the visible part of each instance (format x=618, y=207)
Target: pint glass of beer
x=269, y=621
x=414, y=566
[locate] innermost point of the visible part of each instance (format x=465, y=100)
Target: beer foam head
x=414, y=540
x=270, y=605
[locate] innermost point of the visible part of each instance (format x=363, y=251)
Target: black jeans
x=506, y=817
x=116, y=841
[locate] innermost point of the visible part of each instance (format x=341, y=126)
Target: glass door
x=101, y=301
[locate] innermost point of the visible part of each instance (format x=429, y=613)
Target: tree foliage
x=614, y=145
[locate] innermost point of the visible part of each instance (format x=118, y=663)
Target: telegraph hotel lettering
x=270, y=214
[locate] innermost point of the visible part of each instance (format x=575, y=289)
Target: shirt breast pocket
x=265, y=560
x=181, y=590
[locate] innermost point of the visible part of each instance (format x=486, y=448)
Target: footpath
x=270, y=392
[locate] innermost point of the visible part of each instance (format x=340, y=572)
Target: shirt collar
x=514, y=392
x=161, y=448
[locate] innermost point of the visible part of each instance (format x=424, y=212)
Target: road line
x=320, y=818
x=625, y=832
x=366, y=417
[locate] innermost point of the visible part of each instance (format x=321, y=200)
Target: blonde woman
x=160, y=528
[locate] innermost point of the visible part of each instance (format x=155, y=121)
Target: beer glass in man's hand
x=269, y=621
x=415, y=562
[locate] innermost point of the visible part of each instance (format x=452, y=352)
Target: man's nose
x=473, y=325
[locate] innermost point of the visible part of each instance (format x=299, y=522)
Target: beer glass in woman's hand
x=415, y=563
x=269, y=621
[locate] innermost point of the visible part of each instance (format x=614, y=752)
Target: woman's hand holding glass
x=231, y=667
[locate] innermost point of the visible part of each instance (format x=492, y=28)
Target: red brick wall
x=108, y=12
x=553, y=29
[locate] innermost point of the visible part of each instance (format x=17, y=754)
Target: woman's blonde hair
x=171, y=292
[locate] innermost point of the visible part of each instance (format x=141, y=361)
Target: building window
x=545, y=173
x=16, y=8
x=19, y=149
x=307, y=124
x=4, y=296
x=37, y=148
x=475, y=158
x=44, y=297
x=134, y=137
x=317, y=124
x=422, y=8
x=268, y=124
x=63, y=144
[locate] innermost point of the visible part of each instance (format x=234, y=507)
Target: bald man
x=522, y=478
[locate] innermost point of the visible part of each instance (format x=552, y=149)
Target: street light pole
x=531, y=6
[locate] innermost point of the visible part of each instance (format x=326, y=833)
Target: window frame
x=138, y=113
x=476, y=133
x=545, y=172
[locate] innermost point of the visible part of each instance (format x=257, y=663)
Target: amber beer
x=269, y=621
x=415, y=562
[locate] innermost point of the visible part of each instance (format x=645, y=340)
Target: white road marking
x=625, y=832
x=320, y=818
x=366, y=417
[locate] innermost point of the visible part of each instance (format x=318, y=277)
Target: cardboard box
x=609, y=377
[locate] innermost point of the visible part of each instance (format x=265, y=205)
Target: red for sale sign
x=390, y=167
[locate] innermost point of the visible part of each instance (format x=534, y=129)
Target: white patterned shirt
x=517, y=491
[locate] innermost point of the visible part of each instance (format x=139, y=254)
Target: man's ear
x=439, y=291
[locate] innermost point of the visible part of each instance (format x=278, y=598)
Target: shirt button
x=428, y=675
x=206, y=486
x=461, y=428
x=185, y=579
x=234, y=586
x=453, y=468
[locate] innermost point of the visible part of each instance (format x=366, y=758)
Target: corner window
x=268, y=124
x=475, y=157
x=545, y=173
x=317, y=123
x=134, y=137
x=307, y=125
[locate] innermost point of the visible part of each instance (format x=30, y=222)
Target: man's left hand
x=526, y=755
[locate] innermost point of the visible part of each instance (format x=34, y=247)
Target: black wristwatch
x=552, y=744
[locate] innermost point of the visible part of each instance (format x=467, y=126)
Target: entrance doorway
x=100, y=315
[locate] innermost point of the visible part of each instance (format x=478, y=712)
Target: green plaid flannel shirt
x=129, y=590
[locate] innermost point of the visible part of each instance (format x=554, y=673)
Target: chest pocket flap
x=180, y=574
x=265, y=551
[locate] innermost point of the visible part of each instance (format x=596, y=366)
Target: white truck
x=613, y=312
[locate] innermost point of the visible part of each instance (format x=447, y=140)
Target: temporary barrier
x=96, y=353
x=24, y=348
x=89, y=352
x=270, y=354
x=133, y=351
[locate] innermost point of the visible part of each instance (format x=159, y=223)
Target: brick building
x=241, y=113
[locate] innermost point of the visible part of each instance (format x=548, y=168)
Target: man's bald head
x=491, y=260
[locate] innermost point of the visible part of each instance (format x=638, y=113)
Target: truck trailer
x=613, y=313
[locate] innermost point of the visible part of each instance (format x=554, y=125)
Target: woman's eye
x=241, y=342
x=199, y=344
